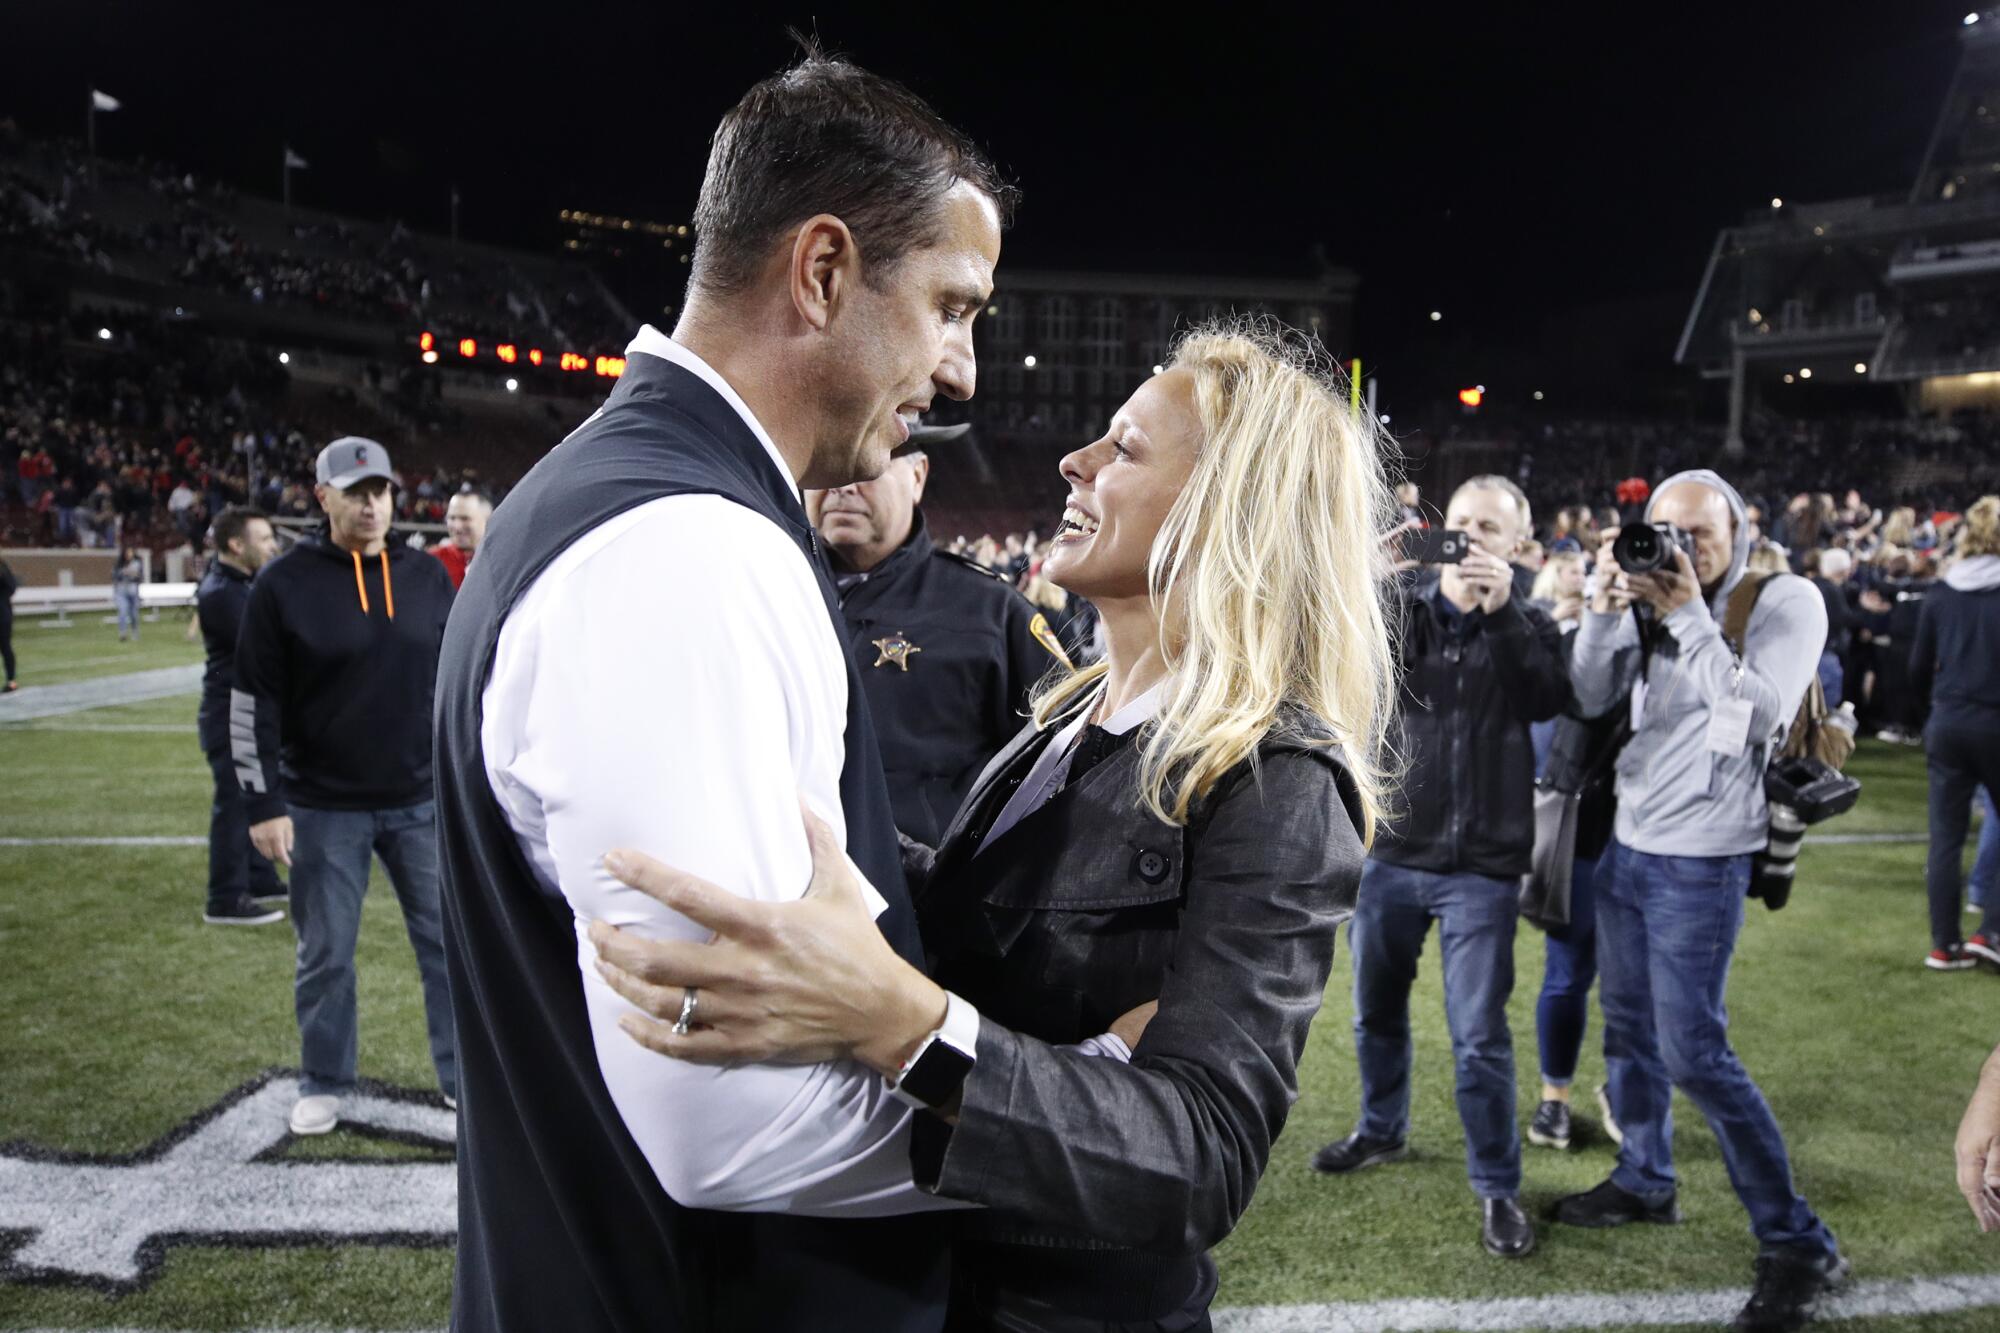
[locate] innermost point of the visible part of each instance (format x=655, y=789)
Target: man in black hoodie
x=1481, y=664
x=240, y=881
x=330, y=727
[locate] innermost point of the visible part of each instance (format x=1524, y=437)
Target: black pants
x=7, y=636
x=1964, y=756
x=235, y=868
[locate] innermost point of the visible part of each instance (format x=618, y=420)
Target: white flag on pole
x=293, y=161
x=103, y=101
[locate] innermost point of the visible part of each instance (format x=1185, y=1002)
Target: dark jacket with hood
x=1472, y=684
x=1955, y=660
x=335, y=667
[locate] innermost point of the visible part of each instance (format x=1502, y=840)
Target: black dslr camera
x=1641, y=548
x=1802, y=791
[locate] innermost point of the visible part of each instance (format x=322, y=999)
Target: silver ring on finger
x=686, y=1020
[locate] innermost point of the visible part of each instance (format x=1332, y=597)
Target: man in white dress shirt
x=592, y=695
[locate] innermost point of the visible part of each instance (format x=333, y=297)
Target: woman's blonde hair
x=1269, y=571
x=1545, y=589
x=1901, y=529
x=1982, y=528
x=1767, y=558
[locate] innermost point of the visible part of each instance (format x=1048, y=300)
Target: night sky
x=1544, y=175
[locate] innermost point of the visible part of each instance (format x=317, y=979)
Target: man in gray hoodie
x=1691, y=814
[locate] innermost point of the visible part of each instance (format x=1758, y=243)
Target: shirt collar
x=652, y=342
x=1133, y=715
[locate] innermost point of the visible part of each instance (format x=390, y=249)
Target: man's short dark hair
x=826, y=136
x=231, y=522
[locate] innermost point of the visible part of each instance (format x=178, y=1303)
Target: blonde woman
x=1182, y=824
x=1559, y=588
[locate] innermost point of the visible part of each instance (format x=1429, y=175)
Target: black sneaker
x=1610, y=1206
x=1550, y=1127
x=242, y=912
x=1356, y=1152
x=1788, y=1291
x=278, y=897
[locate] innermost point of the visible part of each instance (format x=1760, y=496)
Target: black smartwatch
x=934, y=1074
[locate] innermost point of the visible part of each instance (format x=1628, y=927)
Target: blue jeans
x=1666, y=930
x=329, y=876
x=1476, y=915
x=128, y=609
x=1986, y=865
x=1562, y=1014
x=1831, y=678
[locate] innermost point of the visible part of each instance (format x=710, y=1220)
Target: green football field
x=123, y=1017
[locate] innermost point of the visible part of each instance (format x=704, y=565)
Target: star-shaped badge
x=895, y=649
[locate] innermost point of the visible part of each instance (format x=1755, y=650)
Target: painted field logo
x=221, y=1179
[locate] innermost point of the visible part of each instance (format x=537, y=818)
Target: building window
x=1057, y=326
x=1008, y=323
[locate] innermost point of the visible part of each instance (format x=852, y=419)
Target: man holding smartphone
x=1481, y=664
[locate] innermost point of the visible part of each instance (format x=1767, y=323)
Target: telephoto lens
x=1641, y=548
x=1772, y=869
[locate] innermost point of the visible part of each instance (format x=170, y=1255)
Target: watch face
x=937, y=1074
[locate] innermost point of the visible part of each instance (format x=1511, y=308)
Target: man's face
x=358, y=516
x=891, y=345
x=865, y=521
x=465, y=521
x=1704, y=514
x=1489, y=516
x=254, y=549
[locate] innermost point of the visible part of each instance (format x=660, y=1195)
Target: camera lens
x=1639, y=549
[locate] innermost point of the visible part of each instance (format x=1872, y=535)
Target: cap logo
x=360, y=455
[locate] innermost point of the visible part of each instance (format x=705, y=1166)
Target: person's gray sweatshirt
x=1676, y=797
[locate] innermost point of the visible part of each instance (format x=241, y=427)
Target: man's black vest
x=562, y=1224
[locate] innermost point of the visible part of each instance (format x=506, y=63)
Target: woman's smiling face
x=1121, y=487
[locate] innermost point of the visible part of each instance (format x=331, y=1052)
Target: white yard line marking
x=103, y=842
x=35, y=701
x=161, y=728
x=1881, y=1299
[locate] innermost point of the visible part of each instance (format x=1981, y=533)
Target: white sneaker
x=451, y=1103
x=315, y=1115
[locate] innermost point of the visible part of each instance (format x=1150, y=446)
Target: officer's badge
x=1039, y=627
x=895, y=650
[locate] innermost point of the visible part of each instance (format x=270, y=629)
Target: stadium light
x=513, y=386
x=1436, y=315
x=1971, y=19
x=1385, y=418
x=104, y=334
x=430, y=358
x=1480, y=387
x=1805, y=372
x=1777, y=202
x=1861, y=367
x=1029, y=360
x=1756, y=315
x=1538, y=395
x=284, y=358
x=1159, y=370
x=1789, y=377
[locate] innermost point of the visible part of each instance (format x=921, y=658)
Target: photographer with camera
x=1480, y=665
x=1692, y=813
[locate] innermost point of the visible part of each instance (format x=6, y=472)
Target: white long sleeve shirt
x=672, y=682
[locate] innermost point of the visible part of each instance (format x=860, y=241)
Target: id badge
x=1729, y=727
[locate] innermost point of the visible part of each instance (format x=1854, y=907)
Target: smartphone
x=1439, y=546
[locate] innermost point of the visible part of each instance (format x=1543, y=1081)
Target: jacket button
x=1152, y=867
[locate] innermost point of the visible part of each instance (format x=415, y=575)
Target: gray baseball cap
x=350, y=459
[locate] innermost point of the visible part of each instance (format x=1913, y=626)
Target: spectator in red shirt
x=465, y=523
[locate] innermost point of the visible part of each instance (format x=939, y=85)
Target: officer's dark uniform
x=234, y=866
x=947, y=654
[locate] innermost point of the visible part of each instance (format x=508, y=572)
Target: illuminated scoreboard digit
x=609, y=367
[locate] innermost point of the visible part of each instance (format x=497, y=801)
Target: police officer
x=241, y=883
x=947, y=650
